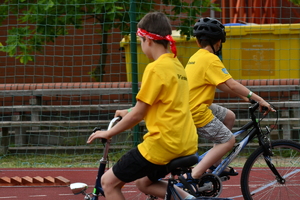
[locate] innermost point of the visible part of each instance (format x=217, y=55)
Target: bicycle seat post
x=178, y=167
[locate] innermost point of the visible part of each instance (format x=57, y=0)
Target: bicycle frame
x=255, y=131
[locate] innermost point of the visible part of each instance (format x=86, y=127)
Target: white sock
x=190, y=197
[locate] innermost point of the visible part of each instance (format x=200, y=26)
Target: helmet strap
x=212, y=46
x=219, y=51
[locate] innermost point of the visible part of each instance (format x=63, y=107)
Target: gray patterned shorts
x=216, y=131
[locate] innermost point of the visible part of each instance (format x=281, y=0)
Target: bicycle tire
x=259, y=182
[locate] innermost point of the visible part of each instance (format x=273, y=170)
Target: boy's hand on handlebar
x=263, y=104
x=121, y=113
x=97, y=134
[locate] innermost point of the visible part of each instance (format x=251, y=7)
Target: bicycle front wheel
x=259, y=182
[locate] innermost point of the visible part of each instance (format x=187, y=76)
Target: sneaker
x=227, y=172
x=188, y=184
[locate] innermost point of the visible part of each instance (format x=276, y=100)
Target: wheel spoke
x=258, y=181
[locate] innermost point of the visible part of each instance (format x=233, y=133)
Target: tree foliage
x=296, y=2
x=42, y=21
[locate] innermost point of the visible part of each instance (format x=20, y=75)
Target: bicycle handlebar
x=256, y=105
x=113, y=121
x=111, y=124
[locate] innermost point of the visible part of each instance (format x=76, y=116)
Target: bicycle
x=270, y=172
x=176, y=167
x=80, y=188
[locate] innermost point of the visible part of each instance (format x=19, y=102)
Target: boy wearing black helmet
x=205, y=73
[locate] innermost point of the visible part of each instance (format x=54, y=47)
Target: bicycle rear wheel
x=259, y=182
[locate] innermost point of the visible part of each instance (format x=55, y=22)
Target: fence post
x=20, y=131
x=4, y=140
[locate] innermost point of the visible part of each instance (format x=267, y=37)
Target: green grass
x=69, y=161
x=76, y=160
x=54, y=161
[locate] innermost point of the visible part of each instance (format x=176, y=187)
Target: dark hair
x=158, y=23
x=205, y=42
x=209, y=31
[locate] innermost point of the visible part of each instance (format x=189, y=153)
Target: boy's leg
x=134, y=167
x=112, y=186
x=224, y=140
x=224, y=115
x=213, y=156
x=229, y=119
x=157, y=188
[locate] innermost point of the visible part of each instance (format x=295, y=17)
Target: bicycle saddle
x=182, y=164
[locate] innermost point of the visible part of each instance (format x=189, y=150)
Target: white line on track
x=65, y=194
x=32, y=196
x=9, y=197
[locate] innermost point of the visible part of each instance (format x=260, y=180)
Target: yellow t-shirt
x=171, y=130
x=205, y=72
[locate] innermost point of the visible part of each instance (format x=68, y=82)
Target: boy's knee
x=231, y=115
x=104, y=183
x=143, y=184
x=231, y=142
x=107, y=184
x=139, y=184
x=229, y=119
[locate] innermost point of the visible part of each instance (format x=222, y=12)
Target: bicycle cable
x=276, y=122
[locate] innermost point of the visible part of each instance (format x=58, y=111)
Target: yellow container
x=270, y=51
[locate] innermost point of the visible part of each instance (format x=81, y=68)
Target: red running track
x=231, y=188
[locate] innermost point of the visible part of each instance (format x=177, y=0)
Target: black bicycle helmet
x=209, y=28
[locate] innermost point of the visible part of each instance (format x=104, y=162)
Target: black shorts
x=133, y=166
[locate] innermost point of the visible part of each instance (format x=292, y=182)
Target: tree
x=296, y=2
x=48, y=19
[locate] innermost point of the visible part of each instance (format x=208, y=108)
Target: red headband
x=153, y=36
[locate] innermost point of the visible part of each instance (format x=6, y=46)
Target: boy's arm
x=128, y=121
x=243, y=91
x=223, y=87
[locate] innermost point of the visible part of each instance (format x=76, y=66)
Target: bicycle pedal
x=225, y=178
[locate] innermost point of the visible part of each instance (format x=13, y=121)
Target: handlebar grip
x=255, y=102
x=120, y=118
x=96, y=129
x=103, y=140
x=265, y=108
x=252, y=101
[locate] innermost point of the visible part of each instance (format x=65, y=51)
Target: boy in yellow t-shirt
x=163, y=102
x=205, y=73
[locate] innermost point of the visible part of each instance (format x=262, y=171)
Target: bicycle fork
x=279, y=178
x=266, y=144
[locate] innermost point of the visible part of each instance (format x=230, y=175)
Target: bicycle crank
x=209, y=185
